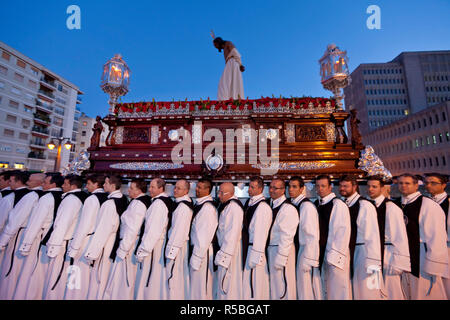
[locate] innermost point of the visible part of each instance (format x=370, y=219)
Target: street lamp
x=59, y=142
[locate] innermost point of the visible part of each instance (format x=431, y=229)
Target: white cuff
x=4, y=239
x=336, y=259
x=223, y=259
x=52, y=250
x=196, y=262
x=72, y=252
x=172, y=252
x=280, y=261
x=25, y=247
x=121, y=253
x=255, y=258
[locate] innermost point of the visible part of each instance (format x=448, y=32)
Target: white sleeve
x=288, y=222
x=396, y=233
x=309, y=227
x=85, y=225
x=205, y=225
x=17, y=217
x=155, y=223
x=368, y=224
x=180, y=231
x=132, y=225
x=233, y=228
x=6, y=205
x=338, y=235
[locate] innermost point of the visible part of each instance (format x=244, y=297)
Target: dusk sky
x=168, y=47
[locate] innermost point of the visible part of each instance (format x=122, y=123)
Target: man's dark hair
x=140, y=183
x=323, y=177
x=377, y=178
x=21, y=176
x=56, y=178
x=348, y=178
x=300, y=181
x=74, y=180
x=279, y=179
x=6, y=175
x=160, y=183
x=220, y=43
x=99, y=179
x=207, y=182
x=443, y=178
x=115, y=180
x=259, y=180
x=409, y=175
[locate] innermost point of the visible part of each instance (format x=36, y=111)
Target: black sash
x=215, y=241
x=411, y=214
x=324, y=222
x=121, y=205
x=169, y=224
x=101, y=197
x=6, y=192
x=381, y=215
x=19, y=194
x=274, y=216
x=40, y=193
x=81, y=195
x=297, y=237
x=196, y=210
x=57, y=197
x=147, y=201
x=445, y=205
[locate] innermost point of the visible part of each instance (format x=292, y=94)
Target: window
x=58, y=121
x=3, y=70
x=5, y=148
x=32, y=84
x=13, y=104
x=4, y=165
x=18, y=77
x=16, y=91
x=444, y=118
x=21, y=150
x=35, y=71
x=59, y=110
x=6, y=55
x=21, y=64
x=26, y=123
x=2, y=85
x=83, y=133
x=437, y=161
x=29, y=97
x=443, y=161
x=82, y=144
x=8, y=133
x=19, y=166
x=62, y=101
x=23, y=136
x=434, y=139
x=10, y=118
x=28, y=109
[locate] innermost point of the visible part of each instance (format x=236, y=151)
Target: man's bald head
x=181, y=188
x=226, y=191
x=36, y=180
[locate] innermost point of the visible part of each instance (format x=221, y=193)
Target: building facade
x=383, y=93
x=418, y=144
x=37, y=105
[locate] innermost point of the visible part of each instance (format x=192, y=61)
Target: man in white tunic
x=335, y=229
x=393, y=239
x=82, y=235
x=228, y=246
x=281, y=251
x=6, y=204
x=5, y=189
x=307, y=241
x=150, y=253
x=231, y=85
x=176, y=251
x=121, y=282
x=10, y=238
x=427, y=238
x=104, y=242
x=435, y=184
x=365, y=246
x=31, y=279
x=204, y=226
x=255, y=233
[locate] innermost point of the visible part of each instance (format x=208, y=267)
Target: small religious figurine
x=356, y=135
x=97, y=131
x=231, y=85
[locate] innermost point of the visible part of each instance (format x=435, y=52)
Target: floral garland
x=240, y=104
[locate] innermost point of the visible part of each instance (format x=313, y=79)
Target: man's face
x=66, y=186
x=47, y=185
x=91, y=186
x=224, y=194
x=180, y=189
x=323, y=188
x=201, y=190
x=294, y=189
x=16, y=184
x=434, y=186
x=407, y=186
x=254, y=189
x=276, y=189
x=154, y=190
x=374, y=189
x=3, y=183
x=134, y=191
x=108, y=186
x=346, y=188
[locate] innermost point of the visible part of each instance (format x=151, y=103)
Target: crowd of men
x=60, y=242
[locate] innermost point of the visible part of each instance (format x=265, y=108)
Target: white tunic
x=228, y=277
x=281, y=252
x=440, y=198
x=31, y=279
x=121, y=282
x=335, y=271
x=101, y=243
x=177, y=268
x=396, y=250
x=11, y=238
x=63, y=228
x=434, y=259
x=367, y=277
x=231, y=85
x=203, y=228
x=256, y=271
x=152, y=286
x=6, y=204
x=77, y=246
x=308, y=273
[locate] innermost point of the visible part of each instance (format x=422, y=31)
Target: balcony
x=37, y=155
x=40, y=131
x=48, y=83
x=41, y=119
x=79, y=100
x=46, y=94
x=36, y=144
x=44, y=106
